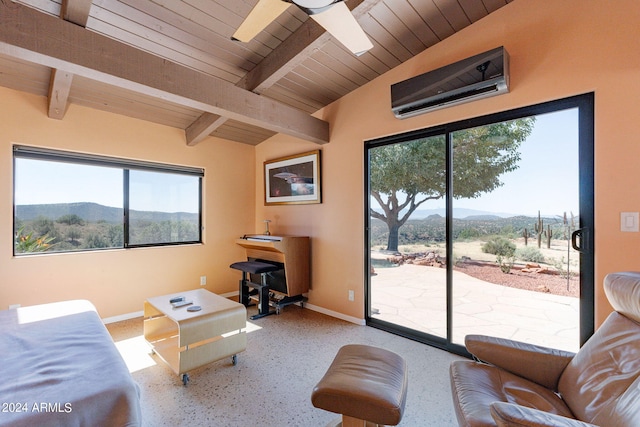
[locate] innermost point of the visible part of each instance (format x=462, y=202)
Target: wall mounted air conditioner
x=480, y=76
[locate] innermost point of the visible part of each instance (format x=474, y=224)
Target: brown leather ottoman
x=364, y=384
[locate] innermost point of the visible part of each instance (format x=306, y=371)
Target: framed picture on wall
x=293, y=179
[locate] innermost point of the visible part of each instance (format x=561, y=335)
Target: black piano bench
x=262, y=288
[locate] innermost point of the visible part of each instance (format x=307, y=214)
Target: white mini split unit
x=480, y=76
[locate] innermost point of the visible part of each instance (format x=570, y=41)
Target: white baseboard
x=335, y=314
x=318, y=309
x=312, y=307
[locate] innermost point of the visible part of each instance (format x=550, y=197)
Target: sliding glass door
x=407, y=177
x=469, y=228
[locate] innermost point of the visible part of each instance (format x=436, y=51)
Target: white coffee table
x=187, y=340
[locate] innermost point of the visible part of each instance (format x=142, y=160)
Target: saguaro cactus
x=539, y=228
x=525, y=234
x=548, y=234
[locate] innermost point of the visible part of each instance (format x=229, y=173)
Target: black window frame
x=585, y=103
x=126, y=165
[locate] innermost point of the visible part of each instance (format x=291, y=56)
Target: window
x=66, y=202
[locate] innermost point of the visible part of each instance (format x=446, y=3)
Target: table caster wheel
x=234, y=359
x=185, y=379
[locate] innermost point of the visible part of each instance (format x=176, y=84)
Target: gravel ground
x=539, y=282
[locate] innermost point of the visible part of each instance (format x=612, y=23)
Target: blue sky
x=547, y=177
x=39, y=182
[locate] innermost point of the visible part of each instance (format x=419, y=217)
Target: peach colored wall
x=557, y=49
x=118, y=281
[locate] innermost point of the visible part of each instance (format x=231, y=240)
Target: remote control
x=181, y=303
x=176, y=299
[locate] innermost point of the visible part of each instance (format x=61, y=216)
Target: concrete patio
x=415, y=297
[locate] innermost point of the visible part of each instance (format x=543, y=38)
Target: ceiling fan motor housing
x=313, y=7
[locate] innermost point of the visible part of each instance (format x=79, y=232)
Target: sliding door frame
x=585, y=105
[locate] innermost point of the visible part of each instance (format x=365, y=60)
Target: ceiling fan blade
x=342, y=25
x=260, y=16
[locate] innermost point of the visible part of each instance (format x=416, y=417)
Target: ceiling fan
x=333, y=15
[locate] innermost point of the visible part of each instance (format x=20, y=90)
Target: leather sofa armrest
x=511, y=415
x=539, y=364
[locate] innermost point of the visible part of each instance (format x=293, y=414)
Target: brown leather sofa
x=519, y=384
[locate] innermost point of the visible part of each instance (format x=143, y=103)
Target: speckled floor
x=271, y=384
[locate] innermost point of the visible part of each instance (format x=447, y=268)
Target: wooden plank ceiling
x=173, y=61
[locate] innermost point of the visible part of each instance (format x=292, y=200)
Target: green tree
x=43, y=225
x=405, y=175
x=96, y=241
x=74, y=235
x=115, y=236
x=70, y=219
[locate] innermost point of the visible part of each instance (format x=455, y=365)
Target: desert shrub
x=530, y=254
x=562, y=267
x=499, y=246
x=505, y=263
x=503, y=249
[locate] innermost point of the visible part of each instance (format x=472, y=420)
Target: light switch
x=629, y=221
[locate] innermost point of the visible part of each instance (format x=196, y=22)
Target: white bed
x=60, y=367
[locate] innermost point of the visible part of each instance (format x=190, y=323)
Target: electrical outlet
x=352, y=296
x=203, y=280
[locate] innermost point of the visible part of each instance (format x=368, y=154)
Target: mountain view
x=476, y=225
x=63, y=227
x=461, y=213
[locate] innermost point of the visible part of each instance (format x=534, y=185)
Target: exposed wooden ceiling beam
x=77, y=12
x=59, y=88
x=37, y=37
x=309, y=37
x=202, y=127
